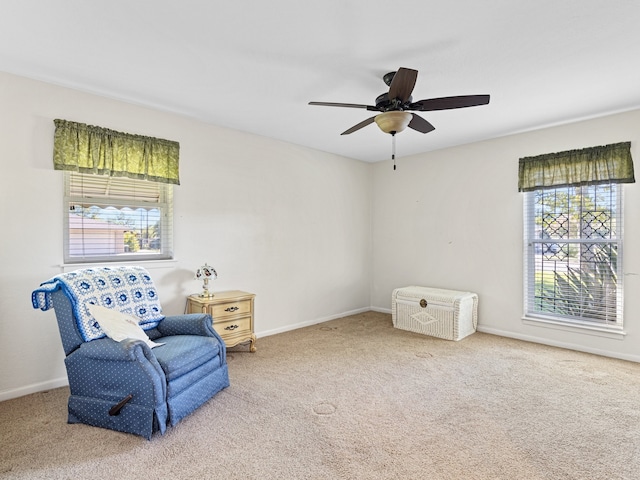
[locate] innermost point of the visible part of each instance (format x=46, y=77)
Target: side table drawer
x=240, y=307
x=229, y=327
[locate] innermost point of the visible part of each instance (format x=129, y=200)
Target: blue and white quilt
x=128, y=290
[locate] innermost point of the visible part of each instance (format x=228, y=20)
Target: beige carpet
x=355, y=398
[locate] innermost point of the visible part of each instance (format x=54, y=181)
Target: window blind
x=116, y=219
x=573, y=254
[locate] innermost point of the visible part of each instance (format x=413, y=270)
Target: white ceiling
x=254, y=65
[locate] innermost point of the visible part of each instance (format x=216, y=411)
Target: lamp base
x=205, y=289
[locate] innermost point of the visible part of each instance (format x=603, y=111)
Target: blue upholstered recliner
x=128, y=386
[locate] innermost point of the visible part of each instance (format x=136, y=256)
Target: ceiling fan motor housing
x=384, y=104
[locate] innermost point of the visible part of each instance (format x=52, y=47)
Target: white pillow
x=119, y=326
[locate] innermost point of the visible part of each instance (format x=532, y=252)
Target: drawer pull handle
x=423, y=303
x=231, y=327
x=231, y=309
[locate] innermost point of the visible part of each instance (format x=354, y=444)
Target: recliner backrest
x=127, y=289
x=67, y=325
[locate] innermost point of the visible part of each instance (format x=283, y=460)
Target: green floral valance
x=100, y=151
x=588, y=166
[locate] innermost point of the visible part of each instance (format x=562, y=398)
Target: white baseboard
x=554, y=343
x=308, y=323
x=381, y=310
x=33, y=388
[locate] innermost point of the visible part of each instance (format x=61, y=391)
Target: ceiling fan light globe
x=393, y=121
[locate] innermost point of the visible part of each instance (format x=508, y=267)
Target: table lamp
x=206, y=273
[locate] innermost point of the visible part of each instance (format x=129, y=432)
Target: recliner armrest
x=191, y=324
x=138, y=372
x=108, y=349
x=187, y=324
x=129, y=350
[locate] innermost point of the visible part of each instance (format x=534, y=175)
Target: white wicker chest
x=448, y=314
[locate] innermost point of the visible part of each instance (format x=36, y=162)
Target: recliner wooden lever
x=115, y=410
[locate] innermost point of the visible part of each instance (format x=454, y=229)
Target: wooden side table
x=232, y=314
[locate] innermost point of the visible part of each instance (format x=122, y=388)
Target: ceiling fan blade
x=447, y=103
x=348, y=105
x=359, y=126
x=420, y=124
x=402, y=84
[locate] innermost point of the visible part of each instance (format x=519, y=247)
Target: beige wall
x=287, y=223
x=453, y=219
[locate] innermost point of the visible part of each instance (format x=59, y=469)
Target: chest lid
x=431, y=295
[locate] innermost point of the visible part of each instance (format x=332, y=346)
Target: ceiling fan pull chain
x=393, y=149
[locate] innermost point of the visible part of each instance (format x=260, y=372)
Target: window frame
x=584, y=323
x=126, y=197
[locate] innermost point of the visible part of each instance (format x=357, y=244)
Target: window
x=116, y=219
x=573, y=235
x=573, y=254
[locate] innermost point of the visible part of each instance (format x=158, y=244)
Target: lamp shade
x=206, y=272
x=393, y=122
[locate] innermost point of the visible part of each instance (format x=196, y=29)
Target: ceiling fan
x=394, y=106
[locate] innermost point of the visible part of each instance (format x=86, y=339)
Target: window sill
x=148, y=264
x=607, y=332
